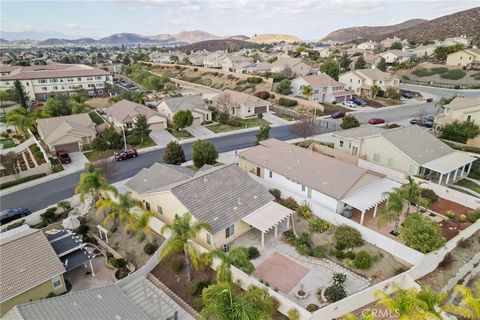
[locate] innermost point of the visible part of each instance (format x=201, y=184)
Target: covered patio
x=370, y=196
x=269, y=217
x=455, y=165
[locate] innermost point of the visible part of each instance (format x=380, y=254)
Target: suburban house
x=69, y=133
x=124, y=114
x=468, y=58
x=226, y=197
x=239, y=104
x=396, y=56
x=214, y=60
x=30, y=268
x=43, y=81
x=169, y=106
x=360, y=81
x=196, y=58
x=461, y=109
x=371, y=60
x=298, y=67
x=328, y=184
x=368, y=45
x=258, y=68
x=387, y=43
x=325, y=88
x=423, y=51
x=235, y=63
x=393, y=148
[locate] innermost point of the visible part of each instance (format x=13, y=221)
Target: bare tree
x=109, y=168
x=9, y=161
x=224, y=102
x=305, y=127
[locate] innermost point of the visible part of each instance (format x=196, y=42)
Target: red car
x=376, y=121
x=126, y=154
x=63, y=157
x=338, y=114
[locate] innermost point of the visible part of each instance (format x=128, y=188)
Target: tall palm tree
x=469, y=306
x=92, y=182
x=412, y=193
x=119, y=207
x=238, y=257
x=222, y=302
x=140, y=223
x=184, y=230
x=393, y=210
x=21, y=119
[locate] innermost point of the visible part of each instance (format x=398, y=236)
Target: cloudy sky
x=308, y=19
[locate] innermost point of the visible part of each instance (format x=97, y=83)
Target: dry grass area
x=100, y=102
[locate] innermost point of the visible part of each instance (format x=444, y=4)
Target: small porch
x=448, y=169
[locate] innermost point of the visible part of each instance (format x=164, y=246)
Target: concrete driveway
x=200, y=132
x=274, y=120
x=78, y=162
x=162, y=137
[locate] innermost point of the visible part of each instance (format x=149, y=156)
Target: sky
x=307, y=19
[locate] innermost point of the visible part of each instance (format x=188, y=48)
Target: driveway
x=200, y=132
x=274, y=120
x=162, y=137
x=78, y=162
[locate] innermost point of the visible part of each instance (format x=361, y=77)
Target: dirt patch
x=443, y=205
x=101, y=102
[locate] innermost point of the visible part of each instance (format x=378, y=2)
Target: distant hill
x=124, y=38
x=239, y=37
x=215, y=45
x=56, y=41
x=353, y=33
x=185, y=36
x=274, y=38
x=3, y=40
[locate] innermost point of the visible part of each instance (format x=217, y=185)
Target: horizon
x=153, y=17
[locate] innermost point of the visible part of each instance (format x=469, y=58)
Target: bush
x=109, y=255
x=254, y=79
x=140, y=237
x=339, y=246
x=197, y=287
x=312, y=307
x=317, y=252
x=293, y=314
x=473, y=216
x=429, y=194
x=49, y=215
x=121, y=273
x=252, y=253
x=197, y=304
x=421, y=233
x=459, y=131
x=453, y=75
x=363, y=260
x=339, y=254
x=150, y=248
x=15, y=225
x=276, y=193
x=335, y=293
x=290, y=203
x=318, y=225
x=302, y=244
x=176, y=265
x=118, y=263
x=203, y=152
x=288, y=236
x=304, y=210
x=51, y=295
x=287, y=102
x=348, y=236
x=133, y=140
x=262, y=95
x=82, y=229
x=350, y=255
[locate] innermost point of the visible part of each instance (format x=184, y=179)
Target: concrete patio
x=81, y=281
x=287, y=271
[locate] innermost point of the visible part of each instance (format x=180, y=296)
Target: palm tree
x=469, y=306
x=21, y=119
x=412, y=193
x=92, y=182
x=393, y=210
x=307, y=91
x=221, y=301
x=238, y=257
x=140, y=223
x=184, y=230
x=374, y=90
x=120, y=208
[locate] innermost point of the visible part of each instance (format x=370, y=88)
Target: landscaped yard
x=468, y=184
x=180, y=134
x=285, y=116
x=98, y=155
x=329, y=108
x=442, y=75
x=7, y=143
x=96, y=118
x=242, y=124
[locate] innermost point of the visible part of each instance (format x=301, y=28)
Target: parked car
x=376, y=121
x=350, y=103
x=13, y=214
x=407, y=95
x=360, y=102
x=338, y=114
x=426, y=122
x=63, y=156
x=126, y=154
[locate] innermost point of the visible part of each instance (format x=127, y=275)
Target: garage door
x=69, y=147
x=259, y=110
x=157, y=127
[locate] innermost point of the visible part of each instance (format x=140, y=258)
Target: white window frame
x=229, y=231
x=55, y=280
x=209, y=239
x=376, y=157
x=270, y=173
x=160, y=209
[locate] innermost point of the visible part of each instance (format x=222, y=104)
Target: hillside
x=274, y=38
x=121, y=38
x=185, y=36
x=239, y=37
x=215, y=45
x=353, y=33
x=56, y=41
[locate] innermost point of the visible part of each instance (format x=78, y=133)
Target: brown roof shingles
x=51, y=71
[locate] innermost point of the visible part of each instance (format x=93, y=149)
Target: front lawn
x=329, y=108
x=285, y=116
x=98, y=155
x=147, y=142
x=468, y=184
x=237, y=124
x=7, y=143
x=180, y=134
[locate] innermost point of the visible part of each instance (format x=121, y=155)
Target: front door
x=258, y=171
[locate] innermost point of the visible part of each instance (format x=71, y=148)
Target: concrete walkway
x=200, y=132
x=78, y=162
x=162, y=138
x=274, y=120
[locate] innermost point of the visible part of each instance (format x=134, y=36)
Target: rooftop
x=56, y=127
x=242, y=98
x=321, y=80
x=463, y=102
x=50, y=71
x=359, y=132
x=127, y=110
x=185, y=103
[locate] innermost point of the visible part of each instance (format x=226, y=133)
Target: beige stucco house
x=298, y=67
x=325, y=88
x=69, y=133
x=399, y=56
x=169, y=106
x=30, y=268
x=124, y=114
x=468, y=58
x=360, y=81
x=239, y=104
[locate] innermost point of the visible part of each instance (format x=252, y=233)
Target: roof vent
x=99, y=296
x=238, y=201
x=205, y=179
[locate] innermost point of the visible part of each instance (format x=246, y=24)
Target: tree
x=21, y=119
x=331, y=68
x=263, y=133
x=307, y=91
x=56, y=107
x=141, y=127
x=92, y=182
x=382, y=64
x=182, y=119
x=469, y=305
x=174, y=153
x=20, y=95
x=344, y=61
x=237, y=257
x=284, y=87
x=360, y=63
x=221, y=301
x=421, y=233
x=140, y=222
x=203, y=152
x=459, y=131
x=393, y=211
x=411, y=192
x=374, y=90
x=3, y=97
x=397, y=45
x=183, y=231
x=119, y=207
x=126, y=60
x=349, y=121
x=305, y=127
x=393, y=93
x=476, y=40
x=79, y=107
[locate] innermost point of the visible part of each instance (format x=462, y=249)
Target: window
x=303, y=188
x=309, y=192
x=390, y=162
x=376, y=157
x=341, y=143
x=147, y=206
x=209, y=238
x=230, y=231
x=42, y=81
x=56, y=282
x=98, y=78
x=159, y=209
x=129, y=125
x=270, y=173
x=79, y=79
x=469, y=117
x=44, y=88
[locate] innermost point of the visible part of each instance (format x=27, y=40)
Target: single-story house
x=461, y=109
x=69, y=133
x=360, y=81
x=328, y=184
x=124, y=114
x=411, y=150
x=298, y=67
x=169, y=106
x=325, y=88
x=240, y=104
x=30, y=268
x=368, y=45
x=226, y=197
x=392, y=56
x=258, y=68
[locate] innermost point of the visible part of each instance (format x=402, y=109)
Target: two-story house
x=325, y=88
x=360, y=81
x=468, y=58
x=298, y=67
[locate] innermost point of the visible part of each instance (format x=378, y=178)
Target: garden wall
x=389, y=173
x=465, y=273
x=337, y=154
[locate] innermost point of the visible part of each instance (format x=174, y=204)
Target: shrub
x=49, y=215
x=429, y=194
x=141, y=237
x=348, y=236
x=193, y=289
x=262, y=95
x=287, y=102
x=150, y=248
x=109, y=255
x=51, y=295
x=119, y=263
x=304, y=210
x=82, y=229
x=421, y=233
x=254, y=79
x=121, y=273
x=473, y=216
x=176, y=265
x=312, y=307
x=252, y=253
x=276, y=193
x=335, y=293
x=363, y=260
x=453, y=75
x=290, y=203
x=318, y=225
x=293, y=314
x=400, y=270
x=15, y=225
x=197, y=287
x=340, y=246
x=197, y=304
x=317, y=252
x=133, y=140
x=302, y=244
x=288, y=235
x=350, y=255
x=339, y=254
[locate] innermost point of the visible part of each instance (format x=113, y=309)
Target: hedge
x=22, y=180
x=254, y=80
x=287, y=102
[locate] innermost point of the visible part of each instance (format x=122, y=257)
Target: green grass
x=453, y=75
x=179, y=134
x=19, y=181
x=329, y=108
x=468, y=184
x=285, y=116
x=147, y=142
x=7, y=143
x=98, y=155
x=244, y=123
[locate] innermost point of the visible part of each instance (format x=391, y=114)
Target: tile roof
x=51, y=71
x=27, y=260
x=125, y=110
x=463, y=102
x=321, y=80
x=243, y=98
x=374, y=74
x=320, y=172
x=185, y=103
x=57, y=127
x=359, y=132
